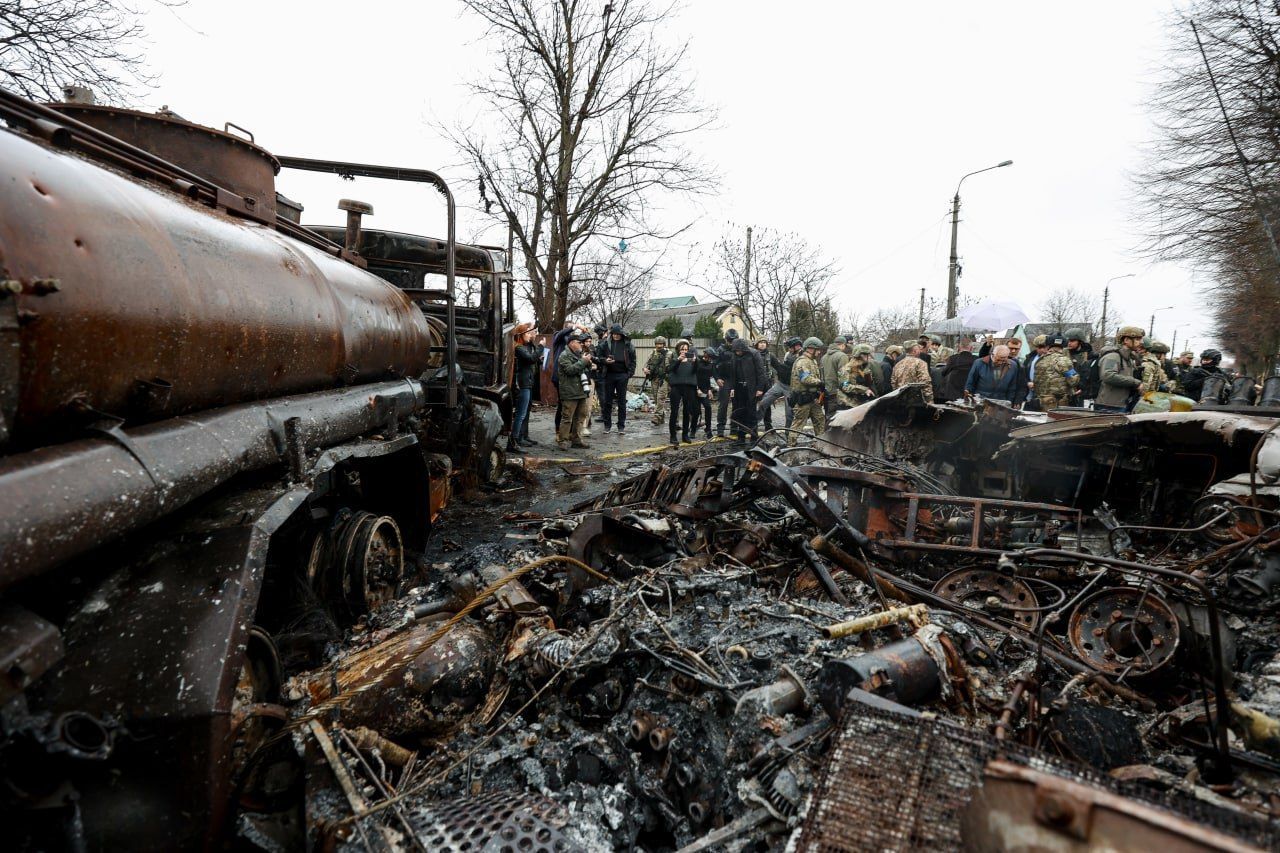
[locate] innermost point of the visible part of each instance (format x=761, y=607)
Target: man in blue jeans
x=528, y=365
x=617, y=359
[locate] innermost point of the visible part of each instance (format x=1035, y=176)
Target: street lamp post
x=1151, y=327
x=953, y=269
x=1106, y=297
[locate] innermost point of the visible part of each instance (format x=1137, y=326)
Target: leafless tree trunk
x=785, y=268
x=589, y=113
x=48, y=44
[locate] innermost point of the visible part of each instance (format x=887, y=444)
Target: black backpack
x=1093, y=378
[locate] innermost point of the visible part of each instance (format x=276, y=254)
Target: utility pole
x=922, y=310
x=953, y=271
x=1106, y=295
x=1173, y=347
x=746, y=271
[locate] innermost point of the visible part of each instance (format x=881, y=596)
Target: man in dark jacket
x=724, y=379
x=995, y=377
x=748, y=388
x=1192, y=382
x=706, y=378
x=956, y=371
x=617, y=359
x=1081, y=353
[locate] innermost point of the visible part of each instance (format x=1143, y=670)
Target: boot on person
x=512, y=447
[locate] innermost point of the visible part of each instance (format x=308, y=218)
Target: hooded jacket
x=623, y=353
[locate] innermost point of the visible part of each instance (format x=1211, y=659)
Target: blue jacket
x=982, y=381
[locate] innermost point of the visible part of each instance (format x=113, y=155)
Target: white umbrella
x=993, y=314
x=952, y=326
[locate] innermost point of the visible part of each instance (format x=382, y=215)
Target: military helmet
x=731, y=335
x=1157, y=347
x=616, y=329
x=839, y=339
x=600, y=329
x=1056, y=341
x=794, y=340
x=1211, y=355
x=684, y=341
x=813, y=343
x=1039, y=341
x=1130, y=332
x=893, y=350
x=934, y=339
x=906, y=345
x=711, y=352
x=660, y=339
x=861, y=349
x=1076, y=335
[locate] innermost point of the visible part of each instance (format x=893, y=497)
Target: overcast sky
x=847, y=123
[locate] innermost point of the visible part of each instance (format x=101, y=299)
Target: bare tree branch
x=588, y=113
x=48, y=44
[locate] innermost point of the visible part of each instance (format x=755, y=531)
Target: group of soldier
x=815, y=380
x=745, y=381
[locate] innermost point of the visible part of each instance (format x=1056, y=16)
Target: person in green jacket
x=573, y=370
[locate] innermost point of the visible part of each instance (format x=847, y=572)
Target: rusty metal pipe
x=63, y=500
x=859, y=569
x=661, y=737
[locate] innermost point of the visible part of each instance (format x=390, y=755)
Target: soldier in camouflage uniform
x=1056, y=377
x=655, y=370
x=911, y=370
x=857, y=381
x=1153, y=372
x=806, y=389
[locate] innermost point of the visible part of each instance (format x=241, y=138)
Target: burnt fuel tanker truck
x=216, y=425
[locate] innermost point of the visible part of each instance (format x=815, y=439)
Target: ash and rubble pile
x=692, y=660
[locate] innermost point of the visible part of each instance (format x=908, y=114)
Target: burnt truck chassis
x=166, y=524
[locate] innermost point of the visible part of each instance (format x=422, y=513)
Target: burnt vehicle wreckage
x=227, y=437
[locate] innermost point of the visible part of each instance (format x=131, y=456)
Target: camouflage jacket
x=857, y=383
x=1056, y=375
x=805, y=375
x=910, y=370
x=1153, y=375
x=658, y=364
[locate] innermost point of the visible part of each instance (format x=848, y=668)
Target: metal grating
x=493, y=822
x=898, y=782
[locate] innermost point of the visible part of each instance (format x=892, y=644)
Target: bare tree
x=785, y=268
x=1069, y=307
x=48, y=44
x=1210, y=187
x=589, y=116
x=609, y=288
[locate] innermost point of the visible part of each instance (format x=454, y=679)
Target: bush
x=707, y=327
x=670, y=328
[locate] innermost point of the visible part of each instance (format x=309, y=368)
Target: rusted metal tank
x=139, y=304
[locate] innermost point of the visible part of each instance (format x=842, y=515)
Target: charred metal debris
x=863, y=642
